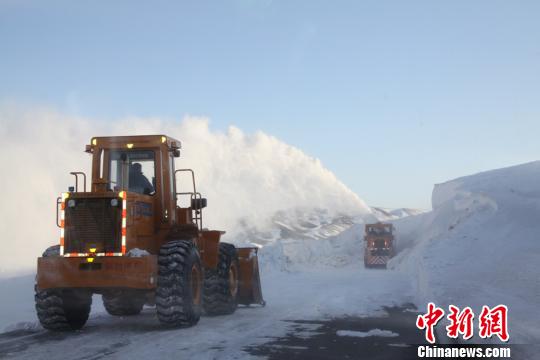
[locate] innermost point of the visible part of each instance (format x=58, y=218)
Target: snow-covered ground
x=318, y=293
x=479, y=246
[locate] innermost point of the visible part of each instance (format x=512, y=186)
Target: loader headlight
x=114, y=202
x=71, y=203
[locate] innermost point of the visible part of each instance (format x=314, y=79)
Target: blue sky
x=392, y=96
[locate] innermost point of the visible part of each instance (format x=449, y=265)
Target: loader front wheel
x=62, y=310
x=221, y=284
x=52, y=251
x=123, y=303
x=179, y=286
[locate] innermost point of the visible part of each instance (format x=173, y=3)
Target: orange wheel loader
x=129, y=239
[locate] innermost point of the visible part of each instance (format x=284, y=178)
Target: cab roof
x=134, y=141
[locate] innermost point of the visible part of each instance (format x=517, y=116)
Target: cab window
x=132, y=170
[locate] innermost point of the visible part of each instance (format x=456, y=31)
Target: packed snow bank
x=480, y=246
x=292, y=254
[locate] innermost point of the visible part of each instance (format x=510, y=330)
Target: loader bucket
x=249, y=287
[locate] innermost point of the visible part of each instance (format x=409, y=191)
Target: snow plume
x=247, y=177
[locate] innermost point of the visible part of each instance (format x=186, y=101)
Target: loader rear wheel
x=221, y=284
x=179, y=286
x=61, y=310
x=123, y=303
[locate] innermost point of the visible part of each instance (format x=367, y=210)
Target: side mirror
x=176, y=153
x=198, y=204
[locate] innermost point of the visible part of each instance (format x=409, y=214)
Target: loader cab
x=144, y=166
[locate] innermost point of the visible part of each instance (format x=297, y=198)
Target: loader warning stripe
x=76, y=255
x=123, y=195
x=97, y=255
x=62, y=222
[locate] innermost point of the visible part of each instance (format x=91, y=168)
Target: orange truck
x=379, y=245
x=137, y=237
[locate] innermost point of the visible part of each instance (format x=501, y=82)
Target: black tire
x=221, y=284
x=120, y=303
x=62, y=310
x=179, y=285
x=52, y=251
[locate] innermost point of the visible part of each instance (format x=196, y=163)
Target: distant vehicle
x=130, y=240
x=379, y=245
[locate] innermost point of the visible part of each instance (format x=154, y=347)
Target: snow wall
x=479, y=246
